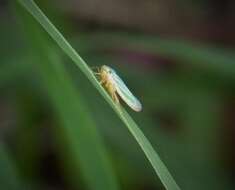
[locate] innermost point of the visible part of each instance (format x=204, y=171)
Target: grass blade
x=152, y=156
x=9, y=176
x=210, y=58
x=77, y=129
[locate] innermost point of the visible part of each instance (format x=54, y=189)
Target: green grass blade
x=152, y=156
x=9, y=177
x=79, y=128
x=216, y=59
x=81, y=144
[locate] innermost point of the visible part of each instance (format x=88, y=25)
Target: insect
x=116, y=87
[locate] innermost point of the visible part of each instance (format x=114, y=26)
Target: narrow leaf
x=78, y=129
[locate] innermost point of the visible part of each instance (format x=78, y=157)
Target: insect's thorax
x=107, y=77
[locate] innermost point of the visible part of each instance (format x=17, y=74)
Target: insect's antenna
x=96, y=70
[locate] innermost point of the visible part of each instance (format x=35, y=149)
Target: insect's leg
x=97, y=73
x=112, y=91
x=115, y=97
x=102, y=82
x=97, y=70
x=109, y=87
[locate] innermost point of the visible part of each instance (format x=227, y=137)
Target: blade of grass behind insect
x=152, y=156
x=9, y=176
x=216, y=59
x=83, y=143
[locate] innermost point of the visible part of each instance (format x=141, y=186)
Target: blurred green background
x=177, y=57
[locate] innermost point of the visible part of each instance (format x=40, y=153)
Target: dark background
x=176, y=56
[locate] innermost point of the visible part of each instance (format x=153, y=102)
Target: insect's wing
x=125, y=93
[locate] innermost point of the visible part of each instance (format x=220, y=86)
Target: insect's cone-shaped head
x=105, y=73
x=106, y=69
